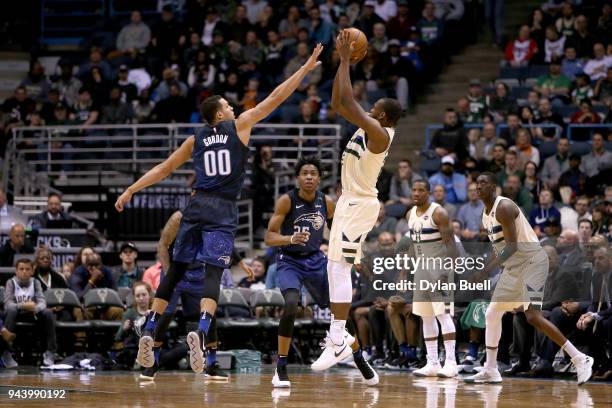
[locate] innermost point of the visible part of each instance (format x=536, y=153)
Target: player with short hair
x=521, y=284
x=432, y=238
x=358, y=206
x=297, y=227
x=219, y=151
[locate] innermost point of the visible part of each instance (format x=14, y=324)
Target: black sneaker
x=544, y=368
x=369, y=374
x=517, y=368
x=281, y=379
x=400, y=363
x=214, y=373
x=148, y=374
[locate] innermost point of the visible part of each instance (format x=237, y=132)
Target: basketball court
x=335, y=388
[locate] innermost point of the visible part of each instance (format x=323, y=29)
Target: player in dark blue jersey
x=219, y=151
x=297, y=227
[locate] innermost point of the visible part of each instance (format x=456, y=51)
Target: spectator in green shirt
x=555, y=85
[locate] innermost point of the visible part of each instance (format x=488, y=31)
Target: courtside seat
x=67, y=299
x=233, y=298
x=103, y=298
x=268, y=298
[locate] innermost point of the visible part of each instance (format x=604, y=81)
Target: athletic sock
x=282, y=360
x=570, y=349
x=473, y=349
x=432, y=350
x=152, y=321
x=449, y=347
x=336, y=331
x=491, y=362
x=404, y=349
x=205, y=320
x=357, y=353
x=211, y=356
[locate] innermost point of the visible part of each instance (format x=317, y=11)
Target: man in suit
x=53, y=212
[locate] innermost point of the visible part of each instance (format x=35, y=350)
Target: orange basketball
x=361, y=45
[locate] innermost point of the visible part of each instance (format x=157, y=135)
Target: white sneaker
x=333, y=353
x=145, y=356
x=430, y=369
x=584, y=367
x=486, y=376
x=450, y=370
x=8, y=360
x=196, y=355
x=48, y=358
x=278, y=383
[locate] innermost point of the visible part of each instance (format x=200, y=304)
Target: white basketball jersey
x=361, y=167
x=425, y=234
x=24, y=294
x=526, y=238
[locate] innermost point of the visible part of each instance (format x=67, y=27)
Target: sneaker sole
x=374, y=380
x=447, y=376
x=146, y=378
x=281, y=384
x=196, y=356
x=468, y=381
x=215, y=378
x=145, y=355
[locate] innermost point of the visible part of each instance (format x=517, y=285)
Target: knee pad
x=430, y=327
x=212, y=282
x=340, y=285
x=446, y=323
x=285, y=327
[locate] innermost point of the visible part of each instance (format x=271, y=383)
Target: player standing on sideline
x=432, y=238
x=521, y=284
x=219, y=151
x=358, y=206
x=189, y=290
x=297, y=227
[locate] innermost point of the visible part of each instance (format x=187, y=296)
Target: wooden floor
x=335, y=388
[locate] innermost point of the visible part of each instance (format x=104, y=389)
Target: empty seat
x=580, y=148
x=233, y=298
x=65, y=298
x=510, y=82
x=103, y=297
x=269, y=298
x=536, y=71
x=512, y=72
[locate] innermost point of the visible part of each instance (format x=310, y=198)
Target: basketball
x=361, y=45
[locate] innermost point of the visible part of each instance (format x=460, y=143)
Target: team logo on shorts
x=226, y=259
x=315, y=219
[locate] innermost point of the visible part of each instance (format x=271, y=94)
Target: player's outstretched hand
x=313, y=62
x=344, y=45
x=300, y=238
x=123, y=200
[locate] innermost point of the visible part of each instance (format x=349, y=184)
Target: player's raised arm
x=249, y=118
x=157, y=173
x=344, y=102
x=273, y=235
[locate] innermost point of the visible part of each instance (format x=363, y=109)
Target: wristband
x=291, y=239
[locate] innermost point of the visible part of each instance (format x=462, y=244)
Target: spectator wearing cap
x=598, y=160
x=522, y=50
x=134, y=36
x=555, y=85
x=54, y=212
x=477, y=101
x=368, y=18
x=128, y=272
x=573, y=177
x=399, y=25
x=129, y=91
x=454, y=183
x=67, y=84
x=543, y=211
x=552, y=229
x=451, y=139
x=15, y=245
x=163, y=89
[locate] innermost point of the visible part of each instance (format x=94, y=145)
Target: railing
x=76, y=151
x=572, y=128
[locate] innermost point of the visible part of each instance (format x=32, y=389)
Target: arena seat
x=67, y=299
x=233, y=298
x=268, y=298
x=103, y=298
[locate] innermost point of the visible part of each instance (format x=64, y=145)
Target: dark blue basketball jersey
x=305, y=217
x=219, y=159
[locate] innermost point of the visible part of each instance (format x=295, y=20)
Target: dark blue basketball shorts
x=207, y=230
x=311, y=272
